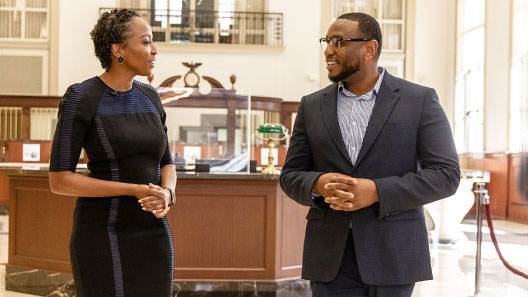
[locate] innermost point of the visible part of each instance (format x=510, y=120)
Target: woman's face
x=139, y=51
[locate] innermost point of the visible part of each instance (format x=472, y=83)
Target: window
x=519, y=74
x=469, y=85
x=24, y=19
x=210, y=21
x=391, y=16
x=389, y=13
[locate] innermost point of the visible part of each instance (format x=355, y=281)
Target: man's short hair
x=367, y=25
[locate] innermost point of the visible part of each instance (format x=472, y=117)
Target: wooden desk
x=225, y=226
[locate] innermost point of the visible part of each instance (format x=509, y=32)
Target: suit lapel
x=329, y=110
x=385, y=101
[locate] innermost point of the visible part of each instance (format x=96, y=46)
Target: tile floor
x=453, y=267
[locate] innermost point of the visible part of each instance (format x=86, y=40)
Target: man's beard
x=348, y=70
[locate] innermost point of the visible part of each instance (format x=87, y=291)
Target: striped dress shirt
x=353, y=114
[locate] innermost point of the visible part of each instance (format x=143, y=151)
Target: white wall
x=288, y=73
x=435, y=48
x=76, y=59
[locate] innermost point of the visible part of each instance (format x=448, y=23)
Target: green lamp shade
x=272, y=129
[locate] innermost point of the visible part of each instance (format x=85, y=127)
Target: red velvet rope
x=496, y=244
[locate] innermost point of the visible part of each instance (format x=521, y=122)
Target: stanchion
x=482, y=199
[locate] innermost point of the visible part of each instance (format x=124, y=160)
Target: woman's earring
x=120, y=60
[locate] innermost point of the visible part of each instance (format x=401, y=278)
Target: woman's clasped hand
x=155, y=199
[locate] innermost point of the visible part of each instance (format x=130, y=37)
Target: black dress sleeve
x=74, y=121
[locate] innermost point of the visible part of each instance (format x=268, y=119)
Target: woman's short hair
x=112, y=27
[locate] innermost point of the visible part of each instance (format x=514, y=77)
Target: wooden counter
x=225, y=226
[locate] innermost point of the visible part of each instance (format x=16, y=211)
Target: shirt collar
x=367, y=96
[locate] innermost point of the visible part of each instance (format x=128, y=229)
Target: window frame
x=23, y=10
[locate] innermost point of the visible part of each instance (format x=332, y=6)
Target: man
x=366, y=153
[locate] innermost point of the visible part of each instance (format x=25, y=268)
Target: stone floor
x=453, y=265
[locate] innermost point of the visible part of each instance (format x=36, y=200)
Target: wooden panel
x=14, y=151
x=517, y=204
x=228, y=232
x=40, y=225
x=293, y=226
x=222, y=228
x=497, y=165
x=4, y=189
x=29, y=101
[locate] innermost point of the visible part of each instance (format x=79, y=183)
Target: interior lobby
x=231, y=75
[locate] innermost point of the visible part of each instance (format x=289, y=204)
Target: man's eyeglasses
x=335, y=42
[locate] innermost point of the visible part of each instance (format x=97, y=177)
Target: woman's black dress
x=116, y=248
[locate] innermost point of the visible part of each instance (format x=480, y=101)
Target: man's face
x=346, y=60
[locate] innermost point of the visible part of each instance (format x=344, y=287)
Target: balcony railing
x=218, y=27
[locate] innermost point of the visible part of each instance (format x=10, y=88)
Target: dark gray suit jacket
x=408, y=151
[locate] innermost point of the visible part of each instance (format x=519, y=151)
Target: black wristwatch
x=172, y=195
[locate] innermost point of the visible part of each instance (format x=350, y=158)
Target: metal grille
x=10, y=123
x=220, y=27
x=43, y=123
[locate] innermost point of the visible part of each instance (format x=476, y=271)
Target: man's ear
x=372, y=49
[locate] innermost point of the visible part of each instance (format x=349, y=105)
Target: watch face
x=191, y=79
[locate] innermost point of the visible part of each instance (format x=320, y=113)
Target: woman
x=118, y=247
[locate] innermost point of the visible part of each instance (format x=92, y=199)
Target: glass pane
x=367, y=6
x=252, y=5
x=36, y=25
x=515, y=107
x=205, y=14
x=203, y=37
x=392, y=9
x=179, y=37
x=346, y=6
x=475, y=114
x=469, y=97
x=473, y=51
x=197, y=127
x=343, y=6
x=460, y=118
x=226, y=37
x=226, y=17
x=37, y=3
x=7, y=3
x=520, y=22
x=208, y=135
x=473, y=14
x=10, y=24
x=392, y=36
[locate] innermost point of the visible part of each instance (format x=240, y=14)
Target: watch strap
x=172, y=195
